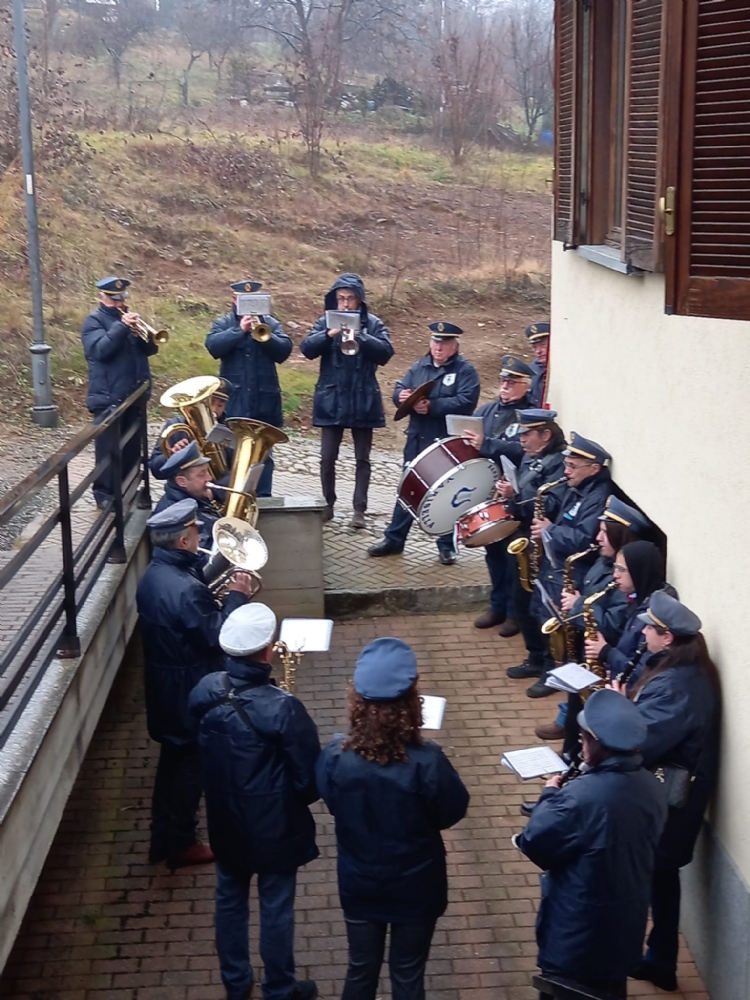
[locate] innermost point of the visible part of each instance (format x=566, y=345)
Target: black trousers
x=330, y=440
x=664, y=941
x=537, y=644
x=102, y=487
x=503, y=570
x=410, y=949
x=615, y=988
x=177, y=795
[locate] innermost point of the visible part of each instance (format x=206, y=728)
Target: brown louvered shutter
x=566, y=187
x=642, y=223
x=712, y=251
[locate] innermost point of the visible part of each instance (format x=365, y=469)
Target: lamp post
x=44, y=412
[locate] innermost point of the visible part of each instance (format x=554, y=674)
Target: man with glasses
x=574, y=530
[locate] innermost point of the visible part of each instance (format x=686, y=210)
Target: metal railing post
x=117, y=552
x=144, y=494
x=70, y=644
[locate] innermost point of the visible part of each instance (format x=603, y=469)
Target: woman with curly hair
x=391, y=793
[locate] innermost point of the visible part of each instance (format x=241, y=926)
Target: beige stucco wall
x=669, y=397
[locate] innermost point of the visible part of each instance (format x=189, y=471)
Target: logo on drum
x=458, y=500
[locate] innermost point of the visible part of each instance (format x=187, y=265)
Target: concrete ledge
x=40, y=762
x=398, y=600
x=292, y=528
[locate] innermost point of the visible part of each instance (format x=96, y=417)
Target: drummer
x=456, y=390
x=501, y=435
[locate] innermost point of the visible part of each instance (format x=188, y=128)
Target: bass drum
x=443, y=482
x=484, y=524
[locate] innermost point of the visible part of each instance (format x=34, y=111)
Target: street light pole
x=44, y=412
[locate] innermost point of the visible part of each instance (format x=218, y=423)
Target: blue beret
x=614, y=721
x=226, y=388
x=667, y=612
x=175, y=518
x=184, y=459
x=616, y=510
x=246, y=286
x=386, y=668
x=513, y=367
x=445, y=331
x=585, y=448
x=113, y=286
x=530, y=419
x=537, y=331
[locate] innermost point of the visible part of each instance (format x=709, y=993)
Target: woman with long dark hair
x=677, y=692
x=391, y=793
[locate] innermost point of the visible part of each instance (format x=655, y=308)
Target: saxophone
x=290, y=662
x=528, y=553
x=591, y=631
x=565, y=651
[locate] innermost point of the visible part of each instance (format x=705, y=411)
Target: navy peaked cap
x=115, y=287
x=530, y=419
x=386, y=668
x=537, y=331
x=445, y=331
x=582, y=447
x=614, y=721
x=667, y=612
x=616, y=510
x=246, y=286
x=175, y=518
x=226, y=388
x=513, y=367
x=184, y=459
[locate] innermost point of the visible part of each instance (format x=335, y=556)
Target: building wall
x=669, y=396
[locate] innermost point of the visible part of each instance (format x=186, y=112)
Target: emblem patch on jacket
x=449, y=379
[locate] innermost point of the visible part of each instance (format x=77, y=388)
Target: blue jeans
x=410, y=949
x=401, y=522
x=276, y=897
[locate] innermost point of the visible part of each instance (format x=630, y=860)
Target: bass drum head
x=456, y=492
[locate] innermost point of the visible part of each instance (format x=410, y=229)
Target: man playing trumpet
x=117, y=358
x=249, y=360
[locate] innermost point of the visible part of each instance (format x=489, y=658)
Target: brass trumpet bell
x=253, y=441
x=260, y=331
x=349, y=345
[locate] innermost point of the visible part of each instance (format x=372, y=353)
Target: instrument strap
x=232, y=699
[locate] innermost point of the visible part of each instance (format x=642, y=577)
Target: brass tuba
x=253, y=441
x=193, y=399
x=237, y=547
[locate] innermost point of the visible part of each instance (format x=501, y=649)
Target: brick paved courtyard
x=105, y=925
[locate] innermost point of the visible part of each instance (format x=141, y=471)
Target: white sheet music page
x=534, y=762
x=432, y=711
x=574, y=677
x=306, y=635
x=510, y=472
x=456, y=424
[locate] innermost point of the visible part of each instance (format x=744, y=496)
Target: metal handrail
x=50, y=627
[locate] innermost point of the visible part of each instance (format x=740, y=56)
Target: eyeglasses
x=573, y=465
x=619, y=569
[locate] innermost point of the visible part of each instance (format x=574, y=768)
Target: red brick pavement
x=106, y=925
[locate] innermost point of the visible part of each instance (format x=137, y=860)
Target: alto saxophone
x=290, y=662
x=529, y=553
x=565, y=651
x=591, y=630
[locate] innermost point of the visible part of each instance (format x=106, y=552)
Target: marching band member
x=251, y=367
x=347, y=393
x=391, y=793
x=188, y=474
x=258, y=749
x=117, y=360
x=500, y=428
x=678, y=696
x=179, y=623
x=538, y=337
x=456, y=391
x=181, y=439
x=595, y=839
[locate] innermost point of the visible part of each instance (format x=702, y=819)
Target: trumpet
x=349, y=345
x=147, y=333
x=259, y=331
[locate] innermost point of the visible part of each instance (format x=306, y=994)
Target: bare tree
x=120, y=24
x=193, y=18
x=529, y=59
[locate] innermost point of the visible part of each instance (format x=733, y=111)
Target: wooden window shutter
x=566, y=94
x=709, y=264
x=644, y=74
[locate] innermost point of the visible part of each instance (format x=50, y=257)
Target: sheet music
x=535, y=762
x=253, y=304
x=338, y=318
x=510, y=472
x=433, y=709
x=221, y=434
x=306, y=635
x=456, y=424
x=548, y=548
x=571, y=677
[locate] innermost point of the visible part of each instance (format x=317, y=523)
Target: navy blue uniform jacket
x=538, y=383
x=206, y=512
x=457, y=391
x=611, y=611
x=534, y=471
x=391, y=858
x=251, y=367
x=347, y=393
x=117, y=358
x=180, y=623
x=501, y=429
x=681, y=709
x=595, y=839
x=259, y=778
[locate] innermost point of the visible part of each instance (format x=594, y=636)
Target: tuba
x=237, y=546
x=253, y=441
x=193, y=399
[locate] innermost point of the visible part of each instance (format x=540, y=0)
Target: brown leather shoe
x=489, y=619
x=509, y=628
x=550, y=732
x=197, y=854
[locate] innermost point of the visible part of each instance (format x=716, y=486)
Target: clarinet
x=574, y=771
x=624, y=676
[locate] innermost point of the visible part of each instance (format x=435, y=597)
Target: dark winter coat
x=611, y=611
x=533, y=472
x=347, y=393
x=250, y=367
x=538, y=383
x=456, y=391
x=117, y=359
x=501, y=429
x=207, y=512
x=595, y=839
x=391, y=858
x=681, y=709
x=180, y=623
x=258, y=753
